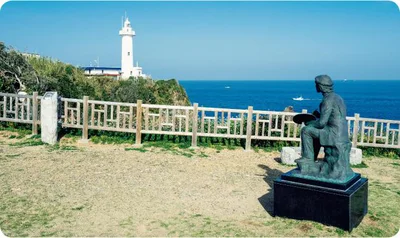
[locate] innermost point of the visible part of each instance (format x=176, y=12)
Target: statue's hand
x=316, y=114
x=309, y=123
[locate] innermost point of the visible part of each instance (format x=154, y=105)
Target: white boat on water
x=299, y=98
x=227, y=87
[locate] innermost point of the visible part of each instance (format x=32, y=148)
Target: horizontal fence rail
x=194, y=121
x=20, y=108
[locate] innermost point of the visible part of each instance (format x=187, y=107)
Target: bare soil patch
x=106, y=190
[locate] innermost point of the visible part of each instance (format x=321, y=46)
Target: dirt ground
x=106, y=190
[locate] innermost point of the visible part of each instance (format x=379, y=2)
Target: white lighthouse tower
x=127, y=66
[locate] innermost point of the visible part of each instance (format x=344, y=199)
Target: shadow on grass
x=267, y=200
x=62, y=132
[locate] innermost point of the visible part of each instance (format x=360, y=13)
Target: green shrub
x=381, y=152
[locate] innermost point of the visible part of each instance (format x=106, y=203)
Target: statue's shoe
x=303, y=160
x=308, y=166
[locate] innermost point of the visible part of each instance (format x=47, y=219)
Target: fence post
x=355, y=129
x=249, y=128
x=302, y=124
x=34, y=113
x=194, y=125
x=138, y=122
x=85, y=134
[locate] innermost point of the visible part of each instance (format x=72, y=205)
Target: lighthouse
x=127, y=65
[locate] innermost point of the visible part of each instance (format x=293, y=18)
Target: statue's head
x=324, y=84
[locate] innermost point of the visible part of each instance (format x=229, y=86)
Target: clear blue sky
x=216, y=40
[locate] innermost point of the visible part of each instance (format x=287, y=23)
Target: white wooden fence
x=191, y=121
x=21, y=109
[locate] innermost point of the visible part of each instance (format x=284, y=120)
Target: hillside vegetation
x=29, y=74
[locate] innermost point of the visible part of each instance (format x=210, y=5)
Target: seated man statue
x=329, y=131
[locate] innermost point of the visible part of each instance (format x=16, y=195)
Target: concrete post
x=48, y=118
x=249, y=128
x=355, y=130
x=138, y=123
x=85, y=130
x=194, y=125
x=34, y=113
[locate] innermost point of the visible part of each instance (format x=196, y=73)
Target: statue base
x=343, y=205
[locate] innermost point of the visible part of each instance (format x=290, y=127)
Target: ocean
x=370, y=98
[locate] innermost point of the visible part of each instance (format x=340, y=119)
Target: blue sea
x=369, y=98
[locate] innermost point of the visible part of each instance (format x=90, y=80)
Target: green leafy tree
x=169, y=92
x=132, y=90
x=15, y=70
x=40, y=74
x=57, y=76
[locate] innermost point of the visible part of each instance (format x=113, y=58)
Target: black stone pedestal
x=341, y=205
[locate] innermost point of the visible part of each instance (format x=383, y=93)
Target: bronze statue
x=330, y=130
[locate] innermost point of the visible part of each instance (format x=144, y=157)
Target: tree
x=14, y=70
x=40, y=74
x=132, y=90
x=169, y=92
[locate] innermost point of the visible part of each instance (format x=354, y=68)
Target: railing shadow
x=61, y=132
x=267, y=200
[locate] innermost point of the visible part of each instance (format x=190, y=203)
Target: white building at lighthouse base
x=113, y=72
x=133, y=72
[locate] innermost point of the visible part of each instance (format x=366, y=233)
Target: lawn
x=73, y=189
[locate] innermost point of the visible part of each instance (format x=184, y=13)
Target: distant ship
x=299, y=98
x=344, y=80
x=227, y=87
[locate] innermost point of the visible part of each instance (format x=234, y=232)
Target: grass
x=35, y=137
x=14, y=155
x=198, y=225
x=36, y=141
x=68, y=148
x=381, y=152
x=58, y=147
x=137, y=149
x=126, y=222
x=183, y=142
x=16, y=136
x=203, y=155
x=170, y=143
x=104, y=139
x=339, y=232
x=396, y=164
x=68, y=138
x=182, y=149
x=176, y=149
x=78, y=208
x=374, y=232
x=19, y=215
x=27, y=142
x=22, y=130
x=360, y=166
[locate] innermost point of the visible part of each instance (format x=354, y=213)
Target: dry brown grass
x=105, y=190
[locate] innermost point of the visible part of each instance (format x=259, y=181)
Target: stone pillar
x=48, y=118
x=249, y=128
x=194, y=125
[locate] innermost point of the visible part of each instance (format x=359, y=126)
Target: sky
x=216, y=40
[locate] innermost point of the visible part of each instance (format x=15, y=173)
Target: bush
x=381, y=152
